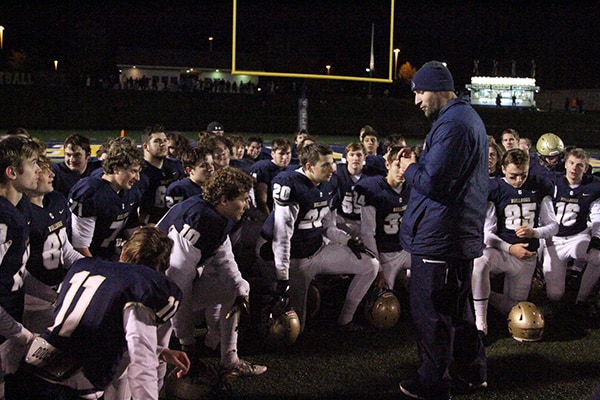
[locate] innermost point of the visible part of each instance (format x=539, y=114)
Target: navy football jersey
x=572, y=205
x=65, y=179
x=181, y=190
x=517, y=207
x=14, y=252
x=155, y=182
x=389, y=207
x=263, y=172
x=88, y=319
x=50, y=228
x=244, y=164
x=94, y=197
x=347, y=200
x=375, y=165
x=198, y=221
x=315, y=202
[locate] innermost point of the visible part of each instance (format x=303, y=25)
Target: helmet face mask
x=382, y=309
x=526, y=322
x=280, y=324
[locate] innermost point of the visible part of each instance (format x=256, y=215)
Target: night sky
x=304, y=36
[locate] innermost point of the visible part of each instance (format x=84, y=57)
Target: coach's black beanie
x=433, y=76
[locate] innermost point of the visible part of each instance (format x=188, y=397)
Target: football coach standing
x=442, y=228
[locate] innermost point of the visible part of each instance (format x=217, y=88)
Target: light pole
x=210, y=40
x=1, y=37
x=328, y=67
x=396, y=52
x=56, y=65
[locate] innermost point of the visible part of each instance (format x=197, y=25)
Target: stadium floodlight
x=236, y=71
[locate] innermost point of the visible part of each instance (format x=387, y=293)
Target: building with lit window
x=173, y=69
x=503, y=91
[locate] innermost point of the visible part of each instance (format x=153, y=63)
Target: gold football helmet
x=526, y=322
x=549, y=145
x=382, y=309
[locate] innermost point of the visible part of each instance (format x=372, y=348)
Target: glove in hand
x=358, y=248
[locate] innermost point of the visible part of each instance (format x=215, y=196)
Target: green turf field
x=326, y=363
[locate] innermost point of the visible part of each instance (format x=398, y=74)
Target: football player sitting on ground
x=50, y=253
x=265, y=170
x=203, y=265
x=519, y=214
x=104, y=206
x=302, y=217
x=111, y=336
x=199, y=166
x=576, y=201
x=382, y=202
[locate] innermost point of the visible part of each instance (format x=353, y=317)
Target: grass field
x=326, y=363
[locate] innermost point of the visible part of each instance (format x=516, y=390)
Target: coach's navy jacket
x=446, y=211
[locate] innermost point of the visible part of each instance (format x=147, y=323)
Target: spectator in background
x=76, y=165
